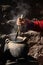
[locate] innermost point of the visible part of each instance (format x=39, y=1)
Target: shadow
x=28, y=60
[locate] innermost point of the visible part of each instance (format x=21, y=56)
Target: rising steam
x=21, y=8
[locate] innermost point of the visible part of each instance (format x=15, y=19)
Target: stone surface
x=36, y=46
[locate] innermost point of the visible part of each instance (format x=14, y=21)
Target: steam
x=21, y=9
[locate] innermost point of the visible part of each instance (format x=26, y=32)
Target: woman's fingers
x=20, y=21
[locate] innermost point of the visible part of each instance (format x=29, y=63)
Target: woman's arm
x=35, y=25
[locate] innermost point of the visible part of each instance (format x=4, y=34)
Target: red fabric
x=39, y=24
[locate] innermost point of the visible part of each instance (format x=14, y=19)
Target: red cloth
x=38, y=25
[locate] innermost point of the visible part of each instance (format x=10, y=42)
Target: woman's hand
x=20, y=21
x=25, y=24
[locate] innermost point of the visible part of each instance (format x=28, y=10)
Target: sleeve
x=33, y=25
x=38, y=25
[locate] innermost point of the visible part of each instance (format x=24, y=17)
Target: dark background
x=36, y=6
x=11, y=9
